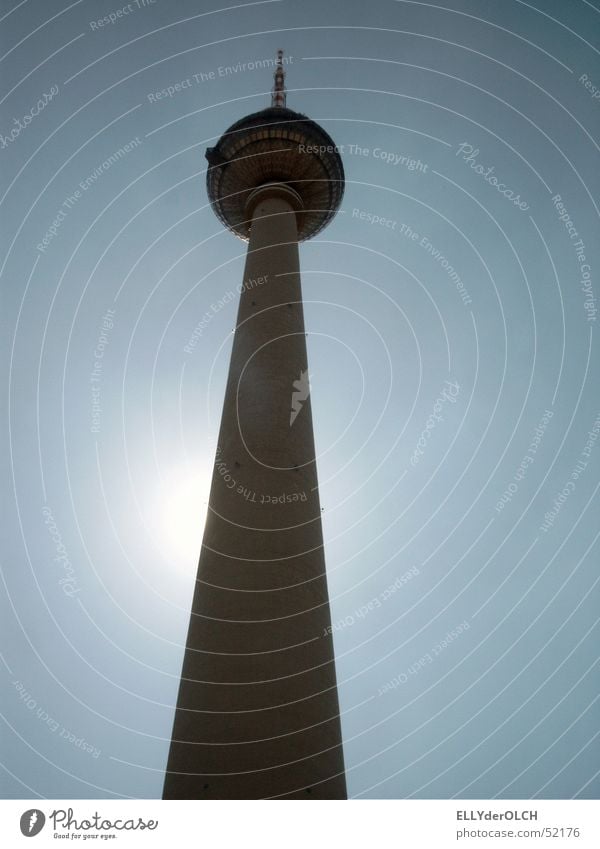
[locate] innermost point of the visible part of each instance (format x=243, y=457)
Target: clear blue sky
x=451, y=308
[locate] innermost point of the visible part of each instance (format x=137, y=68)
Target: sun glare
x=181, y=506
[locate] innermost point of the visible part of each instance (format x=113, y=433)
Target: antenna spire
x=278, y=96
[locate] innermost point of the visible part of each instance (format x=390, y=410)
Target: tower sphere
x=275, y=145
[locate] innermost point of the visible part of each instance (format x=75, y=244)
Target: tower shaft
x=257, y=712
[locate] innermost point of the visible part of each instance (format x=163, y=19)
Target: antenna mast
x=278, y=96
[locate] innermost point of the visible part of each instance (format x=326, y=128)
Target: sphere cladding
x=275, y=145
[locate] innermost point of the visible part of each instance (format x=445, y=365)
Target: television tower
x=257, y=712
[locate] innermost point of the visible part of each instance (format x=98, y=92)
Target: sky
x=451, y=309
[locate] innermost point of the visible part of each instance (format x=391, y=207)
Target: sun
x=181, y=507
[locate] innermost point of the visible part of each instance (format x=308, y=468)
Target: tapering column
x=257, y=712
